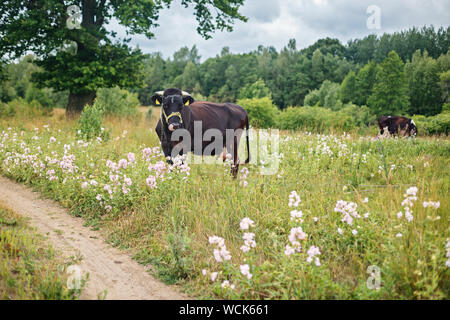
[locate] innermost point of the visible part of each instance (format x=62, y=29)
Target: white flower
x=399, y=214
x=294, y=199
x=366, y=200
x=354, y=232
x=339, y=230
x=226, y=284
x=246, y=223
x=213, y=276
x=398, y=235
x=245, y=270
x=204, y=272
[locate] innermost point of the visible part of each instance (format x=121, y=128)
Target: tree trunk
x=77, y=101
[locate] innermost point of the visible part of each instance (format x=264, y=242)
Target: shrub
x=362, y=116
x=438, y=124
x=90, y=123
x=261, y=111
x=314, y=119
x=119, y=102
x=20, y=108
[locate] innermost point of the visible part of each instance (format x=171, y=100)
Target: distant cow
x=397, y=125
x=179, y=111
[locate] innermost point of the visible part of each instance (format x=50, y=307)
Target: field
x=30, y=268
x=326, y=240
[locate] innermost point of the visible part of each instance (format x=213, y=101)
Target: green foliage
x=39, y=95
x=423, y=82
x=261, y=111
x=390, y=92
x=438, y=124
x=348, y=90
x=365, y=81
x=90, y=123
x=22, y=109
x=315, y=119
x=118, y=102
x=327, y=96
x=257, y=89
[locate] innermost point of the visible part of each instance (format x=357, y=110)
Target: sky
x=273, y=23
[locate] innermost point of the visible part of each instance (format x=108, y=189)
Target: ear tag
x=186, y=103
x=157, y=102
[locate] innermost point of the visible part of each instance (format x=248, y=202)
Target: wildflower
x=398, y=235
x=98, y=197
x=354, y=232
x=204, y=272
x=399, y=214
x=151, y=181
x=245, y=270
x=296, y=216
x=365, y=200
x=294, y=199
x=312, y=253
x=366, y=215
x=213, y=276
x=52, y=139
x=315, y=219
x=246, y=223
x=131, y=157
x=84, y=185
x=432, y=204
x=226, y=285
x=339, y=230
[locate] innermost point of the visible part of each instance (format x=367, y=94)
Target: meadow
x=340, y=206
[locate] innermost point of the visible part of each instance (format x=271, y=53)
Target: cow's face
x=172, y=102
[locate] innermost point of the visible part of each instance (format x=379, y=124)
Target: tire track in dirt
x=109, y=268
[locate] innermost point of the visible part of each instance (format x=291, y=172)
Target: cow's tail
x=247, y=138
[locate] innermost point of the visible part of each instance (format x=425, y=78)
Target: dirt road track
x=109, y=268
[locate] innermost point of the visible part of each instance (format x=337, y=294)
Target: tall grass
x=169, y=226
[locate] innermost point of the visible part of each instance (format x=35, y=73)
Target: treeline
x=411, y=80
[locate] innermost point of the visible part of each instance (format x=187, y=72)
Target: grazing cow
x=397, y=125
x=180, y=111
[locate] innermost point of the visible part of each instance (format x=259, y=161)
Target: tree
x=257, y=89
x=423, y=83
x=365, y=80
x=348, y=88
x=390, y=92
x=41, y=27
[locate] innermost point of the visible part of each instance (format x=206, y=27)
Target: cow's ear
x=187, y=100
x=157, y=99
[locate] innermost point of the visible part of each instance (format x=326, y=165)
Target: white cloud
x=275, y=22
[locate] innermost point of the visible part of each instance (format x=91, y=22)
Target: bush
x=119, y=102
x=90, y=123
x=39, y=95
x=315, y=119
x=20, y=108
x=438, y=124
x=261, y=111
x=362, y=116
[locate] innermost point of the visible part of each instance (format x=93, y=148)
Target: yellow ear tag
x=186, y=103
x=157, y=102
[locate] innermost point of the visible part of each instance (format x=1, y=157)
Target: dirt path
x=109, y=268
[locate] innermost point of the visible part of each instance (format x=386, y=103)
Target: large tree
x=44, y=26
x=390, y=92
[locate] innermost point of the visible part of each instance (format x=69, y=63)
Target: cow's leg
x=235, y=167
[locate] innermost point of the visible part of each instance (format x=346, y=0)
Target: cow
x=179, y=110
x=397, y=125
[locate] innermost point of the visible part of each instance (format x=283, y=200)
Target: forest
x=405, y=73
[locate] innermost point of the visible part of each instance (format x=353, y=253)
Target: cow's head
x=172, y=102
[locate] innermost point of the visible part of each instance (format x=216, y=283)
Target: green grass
x=169, y=226
x=29, y=267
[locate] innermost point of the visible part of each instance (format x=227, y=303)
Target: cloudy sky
x=274, y=22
